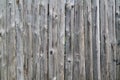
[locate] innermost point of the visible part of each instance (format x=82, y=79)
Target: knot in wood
x=69, y=59
x=55, y=16
x=116, y=61
x=69, y=6
x=9, y=2
x=51, y=52
x=36, y=33
x=72, y=6
x=117, y=13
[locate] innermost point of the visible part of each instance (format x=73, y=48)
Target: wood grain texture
x=69, y=26
x=59, y=39
x=43, y=11
x=10, y=28
x=88, y=40
x=19, y=39
x=53, y=51
x=117, y=23
x=96, y=40
x=3, y=41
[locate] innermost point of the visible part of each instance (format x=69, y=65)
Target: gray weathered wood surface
x=59, y=39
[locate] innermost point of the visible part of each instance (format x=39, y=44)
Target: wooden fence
x=59, y=39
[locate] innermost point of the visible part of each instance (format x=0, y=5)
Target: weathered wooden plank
x=113, y=44
x=79, y=56
x=117, y=15
x=108, y=39
x=10, y=40
x=60, y=40
x=19, y=39
x=76, y=55
x=35, y=36
x=52, y=54
x=88, y=40
x=43, y=11
x=81, y=40
x=27, y=43
x=3, y=69
x=26, y=39
x=1, y=42
x=3, y=32
x=69, y=24
x=103, y=38
x=96, y=40
x=107, y=47
x=112, y=39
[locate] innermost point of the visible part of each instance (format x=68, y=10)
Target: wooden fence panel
x=59, y=39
